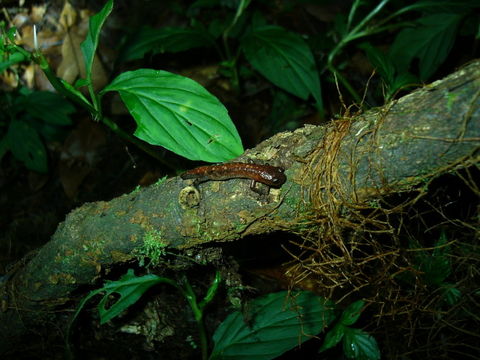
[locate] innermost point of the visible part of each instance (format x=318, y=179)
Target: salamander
x=265, y=174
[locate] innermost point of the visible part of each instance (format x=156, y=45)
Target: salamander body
x=265, y=174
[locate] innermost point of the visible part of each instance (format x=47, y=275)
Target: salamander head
x=275, y=176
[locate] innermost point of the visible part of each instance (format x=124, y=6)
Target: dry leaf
x=20, y=20
x=80, y=153
x=37, y=13
x=99, y=75
x=68, y=16
x=72, y=64
x=29, y=75
x=9, y=80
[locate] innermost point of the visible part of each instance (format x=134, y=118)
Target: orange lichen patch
x=133, y=238
x=119, y=257
x=61, y=279
x=140, y=218
x=69, y=252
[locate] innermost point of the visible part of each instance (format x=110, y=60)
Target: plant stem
x=94, y=109
x=58, y=85
x=140, y=144
x=353, y=34
x=198, y=308
x=240, y=9
x=345, y=83
x=198, y=314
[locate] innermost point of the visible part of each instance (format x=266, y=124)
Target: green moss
x=153, y=247
x=161, y=180
x=451, y=98
x=137, y=189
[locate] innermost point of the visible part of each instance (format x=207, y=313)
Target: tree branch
x=386, y=150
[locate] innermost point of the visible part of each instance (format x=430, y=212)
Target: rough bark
x=385, y=150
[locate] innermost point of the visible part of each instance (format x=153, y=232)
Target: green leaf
x=89, y=46
x=285, y=59
x=10, y=33
x=278, y=322
x=26, y=146
x=386, y=68
x=50, y=107
x=451, y=294
x=162, y=40
x=179, y=114
x=81, y=99
x=79, y=83
x=437, y=266
x=351, y=314
x=444, y=6
x=130, y=288
x=430, y=42
x=13, y=59
x=381, y=62
x=285, y=112
x=333, y=337
x=403, y=81
x=359, y=345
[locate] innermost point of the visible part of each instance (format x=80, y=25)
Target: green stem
x=212, y=290
x=198, y=308
x=198, y=314
x=240, y=9
x=351, y=15
x=345, y=83
x=94, y=109
x=58, y=85
x=138, y=143
x=369, y=16
x=355, y=33
x=94, y=97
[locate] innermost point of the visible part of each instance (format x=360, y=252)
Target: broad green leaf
x=26, y=146
x=164, y=40
x=285, y=59
x=333, y=337
x=130, y=288
x=50, y=107
x=351, y=314
x=179, y=114
x=89, y=46
x=359, y=345
x=430, y=42
x=277, y=322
